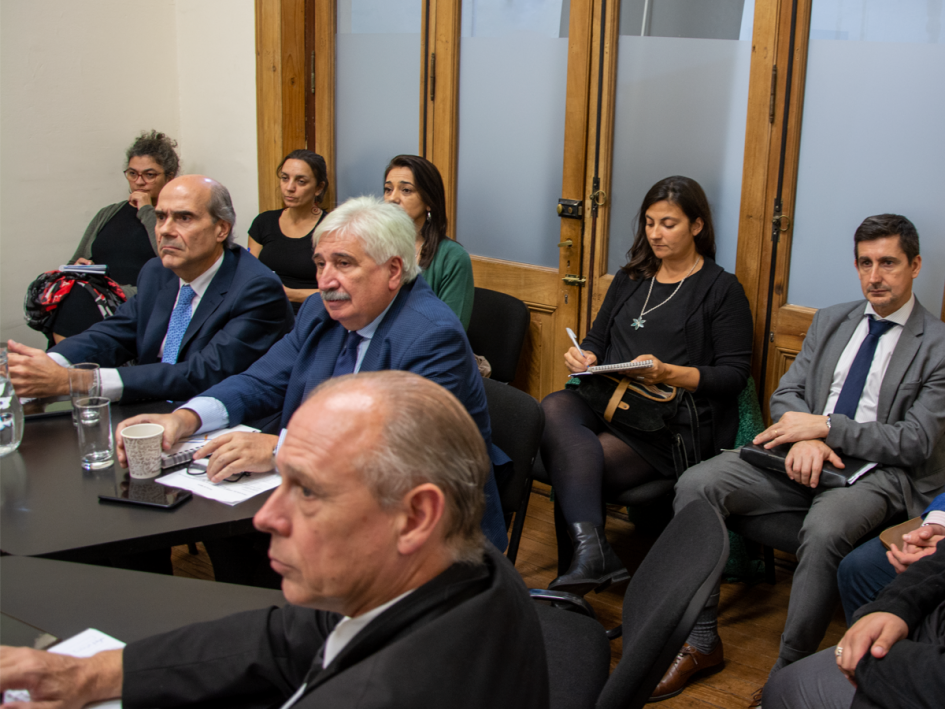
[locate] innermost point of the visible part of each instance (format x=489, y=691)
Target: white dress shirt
x=866, y=411
x=348, y=628
x=213, y=414
x=112, y=386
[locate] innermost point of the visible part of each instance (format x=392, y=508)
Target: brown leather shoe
x=756, y=699
x=688, y=662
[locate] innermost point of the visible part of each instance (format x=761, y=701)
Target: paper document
x=85, y=644
x=227, y=493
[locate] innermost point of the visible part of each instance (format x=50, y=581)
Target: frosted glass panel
x=377, y=92
x=513, y=76
x=680, y=110
x=872, y=142
x=704, y=19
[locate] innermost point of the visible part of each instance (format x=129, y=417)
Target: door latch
x=570, y=208
x=573, y=280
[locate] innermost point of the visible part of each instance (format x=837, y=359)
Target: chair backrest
x=663, y=600
x=517, y=424
x=497, y=330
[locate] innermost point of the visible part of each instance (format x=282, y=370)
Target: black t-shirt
x=662, y=335
x=123, y=245
x=290, y=259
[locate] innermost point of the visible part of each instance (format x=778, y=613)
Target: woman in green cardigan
x=414, y=184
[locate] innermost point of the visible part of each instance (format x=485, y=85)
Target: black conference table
x=63, y=599
x=49, y=505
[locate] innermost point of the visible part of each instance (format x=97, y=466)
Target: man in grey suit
x=869, y=382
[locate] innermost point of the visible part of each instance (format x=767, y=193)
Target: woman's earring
x=428, y=216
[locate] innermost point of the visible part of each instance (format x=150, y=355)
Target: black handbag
x=632, y=409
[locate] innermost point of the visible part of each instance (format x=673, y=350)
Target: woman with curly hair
x=121, y=235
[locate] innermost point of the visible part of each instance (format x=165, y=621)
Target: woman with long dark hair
x=414, y=184
x=674, y=305
x=282, y=238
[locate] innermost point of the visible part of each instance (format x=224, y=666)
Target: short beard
x=334, y=295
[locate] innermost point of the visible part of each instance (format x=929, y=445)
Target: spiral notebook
x=183, y=451
x=601, y=368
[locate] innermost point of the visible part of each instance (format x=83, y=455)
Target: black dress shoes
x=594, y=566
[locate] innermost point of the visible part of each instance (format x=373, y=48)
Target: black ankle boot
x=594, y=566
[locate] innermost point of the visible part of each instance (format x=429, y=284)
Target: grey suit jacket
x=907, y=436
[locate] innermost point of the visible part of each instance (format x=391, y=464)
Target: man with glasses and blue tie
x=373, y=312
x=869, y=382
x=205, y=309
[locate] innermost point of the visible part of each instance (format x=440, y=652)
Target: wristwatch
x=828, y=424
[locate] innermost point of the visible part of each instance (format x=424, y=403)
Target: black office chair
x=517, y=423
x=497, y=330
x=660, y=607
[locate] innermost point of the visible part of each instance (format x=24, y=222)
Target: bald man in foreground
x=205, y=309
x=395, y=598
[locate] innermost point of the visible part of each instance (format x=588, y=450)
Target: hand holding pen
x=576, y=359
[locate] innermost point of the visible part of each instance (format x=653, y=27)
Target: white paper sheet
x=227, y=493
x=85, y=644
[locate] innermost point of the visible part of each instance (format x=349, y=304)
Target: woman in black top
x=282, y=238
x=672, y=304
x=121, y=235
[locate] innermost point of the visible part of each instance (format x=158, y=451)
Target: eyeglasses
x=194, y=468
x=148, y=175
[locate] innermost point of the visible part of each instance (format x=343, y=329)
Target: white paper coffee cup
x=143, y=449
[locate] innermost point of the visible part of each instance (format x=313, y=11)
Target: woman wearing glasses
x=121, y=235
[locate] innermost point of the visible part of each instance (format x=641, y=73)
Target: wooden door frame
x=763, y=145
x=280, y=90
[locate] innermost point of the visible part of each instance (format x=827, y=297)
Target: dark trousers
x=862, y=575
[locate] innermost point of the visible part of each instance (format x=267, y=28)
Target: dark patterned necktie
x=349, y=355
x=176, y=328
x=852, y=389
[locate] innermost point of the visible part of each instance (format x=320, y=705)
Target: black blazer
x=243, y=313
x=468, y=638
x=913, y=672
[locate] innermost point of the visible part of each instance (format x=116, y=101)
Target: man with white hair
x=206, y=309
x=394, y=598
x=373, y=313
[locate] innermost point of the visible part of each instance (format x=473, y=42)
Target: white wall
x=216, y=60
x=78, y=80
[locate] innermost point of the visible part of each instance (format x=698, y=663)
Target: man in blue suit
x=373, y=313
x=869, y=568
x=204, y=310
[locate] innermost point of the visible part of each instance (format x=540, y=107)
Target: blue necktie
x=852, y=389
x=349, y=355
x=176, y=328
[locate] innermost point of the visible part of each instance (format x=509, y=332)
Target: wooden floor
x=750, y=620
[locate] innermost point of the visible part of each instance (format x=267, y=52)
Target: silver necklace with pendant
x=638, y=322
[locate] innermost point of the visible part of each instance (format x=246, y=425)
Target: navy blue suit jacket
x=419, y=334
x=243, y=312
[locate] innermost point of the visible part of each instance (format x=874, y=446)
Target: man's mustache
x=334, y=294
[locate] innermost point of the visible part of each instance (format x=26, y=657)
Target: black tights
x=585, y=460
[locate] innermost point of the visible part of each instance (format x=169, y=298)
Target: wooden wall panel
x=269, y=113
x=790, y=326
x=280, y=90
x=537, y=287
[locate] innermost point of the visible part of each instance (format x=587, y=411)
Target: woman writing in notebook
x=674, y=305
